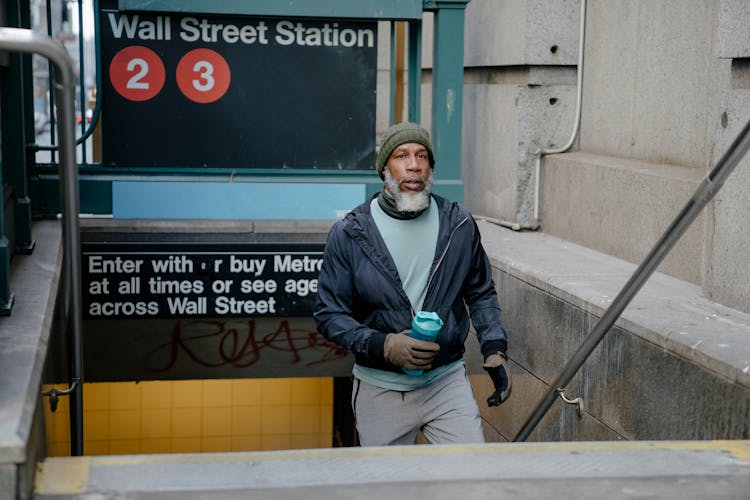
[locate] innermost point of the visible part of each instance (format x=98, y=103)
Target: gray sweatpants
x=445, y=411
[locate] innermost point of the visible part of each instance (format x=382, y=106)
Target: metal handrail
x=24, y=40
x=702, y=195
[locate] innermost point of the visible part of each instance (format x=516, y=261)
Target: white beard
x=409, y=202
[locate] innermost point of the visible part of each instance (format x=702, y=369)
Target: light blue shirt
x=401, y=381
x=411, y=244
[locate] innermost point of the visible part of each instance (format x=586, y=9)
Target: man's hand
x=412, y=354
x=497, y=367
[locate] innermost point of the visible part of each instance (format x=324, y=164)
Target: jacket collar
x=360, y=226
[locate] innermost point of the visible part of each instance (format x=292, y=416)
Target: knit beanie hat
x=399, y=134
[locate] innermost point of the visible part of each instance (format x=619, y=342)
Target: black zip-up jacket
x=361, y=300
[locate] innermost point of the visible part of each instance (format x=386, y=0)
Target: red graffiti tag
x=240, y=349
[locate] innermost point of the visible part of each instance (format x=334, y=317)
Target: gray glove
x=412, y=354
x=496, y=365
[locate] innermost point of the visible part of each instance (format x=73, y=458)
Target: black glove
x=496, y=366
x=402, y=350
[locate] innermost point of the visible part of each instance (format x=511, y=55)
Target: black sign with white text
x=217, y=91
x=199, y=280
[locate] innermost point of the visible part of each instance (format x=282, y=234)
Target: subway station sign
x=199, y=280
x=211, y=91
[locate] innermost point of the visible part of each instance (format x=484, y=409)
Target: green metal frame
x=24, y=241
x=447, y=85
x=359, y=9
x=16, y=124
x=447, y=98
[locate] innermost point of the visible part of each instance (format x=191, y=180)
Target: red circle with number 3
x=203, y=75
x=137, y=73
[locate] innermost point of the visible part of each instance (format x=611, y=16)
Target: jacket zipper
x=437, y=266
x=442, y=256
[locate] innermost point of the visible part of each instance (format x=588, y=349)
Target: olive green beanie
x=399, y=134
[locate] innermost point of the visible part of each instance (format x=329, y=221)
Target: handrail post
x=702, y=195
x=24, y=40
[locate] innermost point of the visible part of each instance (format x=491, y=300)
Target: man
x=404, y=251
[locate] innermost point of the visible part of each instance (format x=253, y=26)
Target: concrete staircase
x=526, y=470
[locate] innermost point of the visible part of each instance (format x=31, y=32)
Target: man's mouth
x=412, y=184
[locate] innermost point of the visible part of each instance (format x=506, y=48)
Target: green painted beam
x=447, y=87
x=6, y=295
x=359, y=9
x=96, y=191
x=392, y=77
x=95, y=195
x=24, y=243
x=415, y=71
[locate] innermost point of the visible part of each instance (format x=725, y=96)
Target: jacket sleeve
x=481, y=297
x=335, y=304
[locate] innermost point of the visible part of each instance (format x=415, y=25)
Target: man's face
x=408, y=177
x=409, y=165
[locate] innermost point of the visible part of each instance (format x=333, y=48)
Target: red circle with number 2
x=203, y=75
x=137, y=73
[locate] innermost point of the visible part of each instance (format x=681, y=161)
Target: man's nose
x=412, y=162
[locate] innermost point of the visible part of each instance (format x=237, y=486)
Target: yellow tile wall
x=188, y=416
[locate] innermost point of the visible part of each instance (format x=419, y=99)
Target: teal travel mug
x=425, y=326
